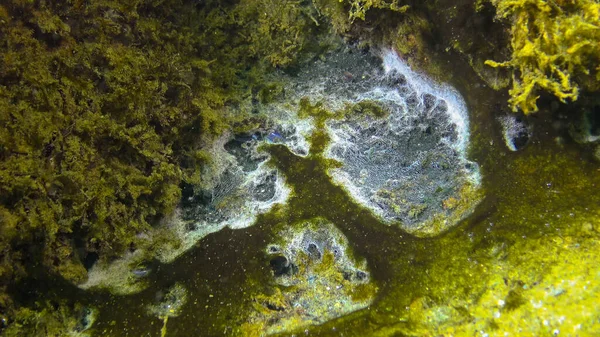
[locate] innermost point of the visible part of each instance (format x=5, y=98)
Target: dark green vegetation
x=105, y=108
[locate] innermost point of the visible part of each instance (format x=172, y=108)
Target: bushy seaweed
x=554, y=48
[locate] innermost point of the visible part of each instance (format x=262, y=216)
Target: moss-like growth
x=105, y=109
x=359, y=8
x=276, y=30
x=91, y=107
x=555, y=48
x=52, y=319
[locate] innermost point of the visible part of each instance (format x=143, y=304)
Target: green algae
x=106, y=108
x=544, y=230
x=554, y=48
x=485, y=275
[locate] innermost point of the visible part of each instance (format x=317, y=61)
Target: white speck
x=537, y=304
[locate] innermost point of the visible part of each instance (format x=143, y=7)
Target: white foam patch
x=241, y=217
x=116, y=276
x=285, y=120
x=245, y=217
x=457, y=109
x=429, y=100
x=120, y=276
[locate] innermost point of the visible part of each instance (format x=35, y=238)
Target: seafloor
x=490, y=230
x=523, y=263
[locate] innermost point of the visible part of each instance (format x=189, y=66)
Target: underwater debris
x=515, y=131
x=316, y=277
x=274, y=137
x=141, y=271
x=169, y=302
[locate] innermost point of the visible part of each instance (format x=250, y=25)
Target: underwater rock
x=127, y=275
x=169, y=302
x=586, y=128
x=401, y=143
x=316, y=277
x=237, y=186
x=515, y=131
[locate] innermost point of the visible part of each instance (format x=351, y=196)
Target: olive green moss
x=105, y=109
x=91, y=108
x=52, y=319
x=549, y=46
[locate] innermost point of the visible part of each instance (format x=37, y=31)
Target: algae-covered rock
x=539, y=287
x=405, y=160
x=169, y=302
x=399, y=140
x=316, y=278
x=238, y=185
x=515, y=131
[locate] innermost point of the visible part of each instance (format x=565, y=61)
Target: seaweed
x=104, y=110
x=554, y=48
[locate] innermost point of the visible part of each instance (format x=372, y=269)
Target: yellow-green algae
x=549, y=45
x=421, y=275
x=513, y=271
x=105, y=108
x=554, y=47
